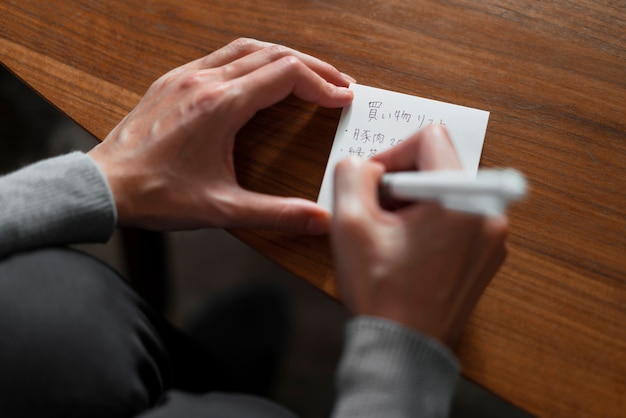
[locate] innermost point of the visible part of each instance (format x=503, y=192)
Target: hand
x=422, y=266
x=170, y=161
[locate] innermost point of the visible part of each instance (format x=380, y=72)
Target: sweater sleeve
x=59, y=201
x=390, y=371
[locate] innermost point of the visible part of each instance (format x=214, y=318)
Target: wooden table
x=550, y=333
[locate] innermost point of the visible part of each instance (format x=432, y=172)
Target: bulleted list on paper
x=380, y=119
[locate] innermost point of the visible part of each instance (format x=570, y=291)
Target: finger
x=257, y=210
x=232, y=58
x=486, y=263
x=356, y=189
x=483, y=239
x=274, y=82
x=228, y=53
x=429, y=149
x=259, y=58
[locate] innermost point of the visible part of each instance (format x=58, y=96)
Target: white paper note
x=379, y=119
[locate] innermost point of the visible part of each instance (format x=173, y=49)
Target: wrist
x=114, y=181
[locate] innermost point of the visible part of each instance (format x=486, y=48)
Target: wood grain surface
x=549, y=333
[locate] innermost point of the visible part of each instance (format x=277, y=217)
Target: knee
x=72, y=330
x=58, y=293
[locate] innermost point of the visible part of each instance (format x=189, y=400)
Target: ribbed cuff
x=57, y=201
x=392, y=371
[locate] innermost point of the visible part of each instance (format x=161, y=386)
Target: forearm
x=388, y=370
x=59, y=201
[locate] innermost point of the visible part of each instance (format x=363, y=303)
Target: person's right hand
x=422, y=266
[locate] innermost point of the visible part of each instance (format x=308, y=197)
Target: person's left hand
x=170, y=161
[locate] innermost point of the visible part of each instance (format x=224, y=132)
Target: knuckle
x=286, y=217
x=200, y=93
x=190, y=80
x=158, y=83
x=277, y=51
x=227, y=71
x=163, y=81
x=291, y=63
x=244, y=45
x=212, y=95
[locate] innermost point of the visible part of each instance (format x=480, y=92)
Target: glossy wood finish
x=549, y=333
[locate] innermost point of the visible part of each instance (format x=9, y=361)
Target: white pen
x=488, y=193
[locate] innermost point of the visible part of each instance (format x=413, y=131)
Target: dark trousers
x=77, y=341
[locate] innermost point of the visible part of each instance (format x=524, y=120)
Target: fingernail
x=348, y=78
x=318, y=225
x=346, y=91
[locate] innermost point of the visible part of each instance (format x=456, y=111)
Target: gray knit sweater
x=386, y=370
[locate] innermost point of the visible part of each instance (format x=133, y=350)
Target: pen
x=488, y=193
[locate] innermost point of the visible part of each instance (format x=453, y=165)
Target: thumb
x=356, y=188
x=258, y=210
